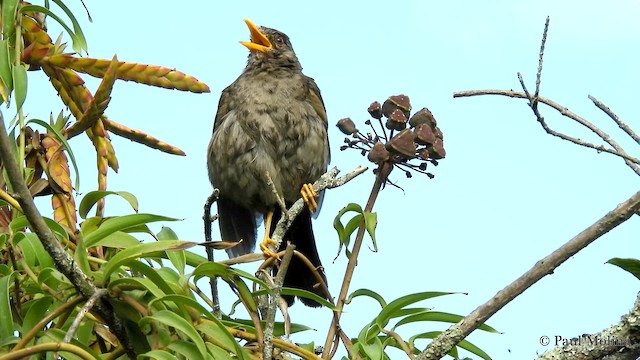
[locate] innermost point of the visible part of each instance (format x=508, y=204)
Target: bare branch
x=82, y=313
x=617, y=150
x=448, y=339
x=208, y=221
x=615, y=118
x=540, y=57
x=267, y=352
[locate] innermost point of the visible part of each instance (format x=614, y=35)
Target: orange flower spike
x=140, y=73
x=141, y=137
x=98, y=104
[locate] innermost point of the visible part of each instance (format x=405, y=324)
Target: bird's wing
x=318, y=105
x=316, y=100
x=223, y=106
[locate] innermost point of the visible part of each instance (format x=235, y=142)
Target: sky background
x=506, y=195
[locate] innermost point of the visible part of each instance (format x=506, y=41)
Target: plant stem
x=383, y=172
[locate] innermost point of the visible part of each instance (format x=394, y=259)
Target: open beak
x=259, y=41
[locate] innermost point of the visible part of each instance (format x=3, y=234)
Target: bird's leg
x=264, y=245
x=309, y=196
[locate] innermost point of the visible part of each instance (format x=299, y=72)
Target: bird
x=270, y=142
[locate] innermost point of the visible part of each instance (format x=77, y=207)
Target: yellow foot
x=264, y=246
x=309, y=196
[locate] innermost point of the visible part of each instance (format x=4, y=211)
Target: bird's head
x=269, y=47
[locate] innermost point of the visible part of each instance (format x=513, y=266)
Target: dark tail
x=299, y=275
x=237, y=222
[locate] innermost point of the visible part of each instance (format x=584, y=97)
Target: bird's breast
x=271, y=128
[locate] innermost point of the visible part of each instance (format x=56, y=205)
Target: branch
x=267, y=352
x=617, y=342
x=441, y=345
x=565, y=112
x=63, y=261
x=615, y=118
x=327, y=181
x=208, y=220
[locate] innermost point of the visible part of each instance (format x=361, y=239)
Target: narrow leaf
x=6, y=315
x=139, y=251
x=20, y=85
x=91, y=198
x=178, y=258
x=171, y=319
x=631, y=266
x=121, y=223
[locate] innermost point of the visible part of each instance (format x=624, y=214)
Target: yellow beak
x=259, y=41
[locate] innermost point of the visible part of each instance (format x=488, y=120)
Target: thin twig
x=63, y=261
x=327, y=181
x=82, y=313
x=540, y=57
x=615, y=118
x=267, y=352
x=401, y=342
x=441, y=345
x=208, y=221
x=275, y=192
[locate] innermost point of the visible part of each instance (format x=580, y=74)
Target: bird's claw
x=309, y=196
x=264, y=246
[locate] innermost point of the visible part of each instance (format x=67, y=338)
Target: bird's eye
x=279, y=40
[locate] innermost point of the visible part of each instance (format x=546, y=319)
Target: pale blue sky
x=506, y=195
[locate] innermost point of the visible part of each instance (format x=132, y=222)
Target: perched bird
x=271, y=124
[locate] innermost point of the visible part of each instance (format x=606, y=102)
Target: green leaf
x=178, y=258
x=152, y=274
x=91, y=198
x=118, y=240
x=20, y=85
x=220, y=353
x=370, y=222
x=391, y=310
x=171, y=319
x=6, y=314
x=36, y=311
x=80, y=43
x=308, y=295
x=158, y=355
x=188, y=350
x=6, y=66
x=63, y=140
x=121, y=223
x=57, y=336
x=344, y=233
x=631, y=266
x=439, y=317
x=233, y=277
x=138, y=251
x=21, y=222
x=9, y=18
x=370, y=293
x=185, y=301
x=33, y=250
x=374, y=349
